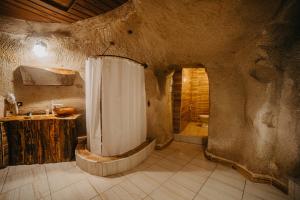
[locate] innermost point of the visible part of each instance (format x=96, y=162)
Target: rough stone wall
x=247, y=46
x=263, y=133
x=289, y=115
x=15, y=50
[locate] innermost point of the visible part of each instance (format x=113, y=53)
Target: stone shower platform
x=105, y=166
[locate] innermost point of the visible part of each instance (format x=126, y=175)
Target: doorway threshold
x=202, y=140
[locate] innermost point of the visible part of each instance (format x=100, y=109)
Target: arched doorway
x=190, y=105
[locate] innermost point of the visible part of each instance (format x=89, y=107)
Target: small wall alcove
x=47, y=76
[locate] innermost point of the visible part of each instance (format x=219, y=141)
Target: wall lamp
x=40, y=49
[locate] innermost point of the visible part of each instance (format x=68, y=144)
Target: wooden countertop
x=37, y=117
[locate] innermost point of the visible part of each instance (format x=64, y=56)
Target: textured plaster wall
x=249, y=48
x=16, y=50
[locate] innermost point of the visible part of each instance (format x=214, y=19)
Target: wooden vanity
x=40, y=138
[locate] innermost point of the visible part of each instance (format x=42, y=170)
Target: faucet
x=55, y=105
x=11, y=99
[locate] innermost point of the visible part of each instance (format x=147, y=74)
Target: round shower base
x=105, y=166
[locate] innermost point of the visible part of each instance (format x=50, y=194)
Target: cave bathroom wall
x=250, y=49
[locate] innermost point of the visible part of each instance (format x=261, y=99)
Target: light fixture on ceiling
x=40, y=49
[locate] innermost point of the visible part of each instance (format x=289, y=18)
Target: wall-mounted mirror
x=47, y=76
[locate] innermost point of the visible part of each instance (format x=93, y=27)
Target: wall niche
x=46, y=76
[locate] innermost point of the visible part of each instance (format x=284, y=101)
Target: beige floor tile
x=3, y=172
x=76, y=174
x=141, y=167
x=248, y=196
x=264, y=191
x=179, y=190
x=97, y=198
x=133, y=190
x=46, y=198
x=195, y=129
x=184, y=155
x=134, y=171
x=24, y=192
x=102, y=184
x=148, y=198
x=203, y=163
x=158, y=173
x=17, y=180
x=195, y=171
x=144, y=182
x=35, y=190
x=2, y=183
x=152, y=159
x=229, y=176
x=23, y=177
x=41, y=187
x=20, y=168
x=190, y=139
x=39, y=172
x=117, y=193
x=77, y=191
x=59, y=167
x=178, y=172
x=58, y=180
x=191, y=183
x=163, y=193
x=177, y=160
x=199, y=156
x=215, y=190
x=169, y=165
x=164, y=152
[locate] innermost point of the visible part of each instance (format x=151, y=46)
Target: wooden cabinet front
x=41, y=141
x=3, y=147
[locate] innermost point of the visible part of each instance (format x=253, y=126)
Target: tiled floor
x=195, y=129
x=178, y=172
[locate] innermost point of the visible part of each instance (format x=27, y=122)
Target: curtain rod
x=112, y=43
x=143, y=64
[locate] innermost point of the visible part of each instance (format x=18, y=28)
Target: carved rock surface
x=225, y=36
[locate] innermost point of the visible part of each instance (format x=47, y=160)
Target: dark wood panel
x=29, y=9
x=47, y=11
x=56, y=10
x=10, y=10
x=110, y=3
x=79, y=13
x=41, y=141
x=3, y=147
x=61, y=4
x=89, y=6
x=62, y=11
x=84, y=10
x=101, y=5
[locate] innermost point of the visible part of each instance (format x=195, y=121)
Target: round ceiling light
x=40, y=49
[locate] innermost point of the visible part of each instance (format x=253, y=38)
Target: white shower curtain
x=123, y=102
x=93, y=107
